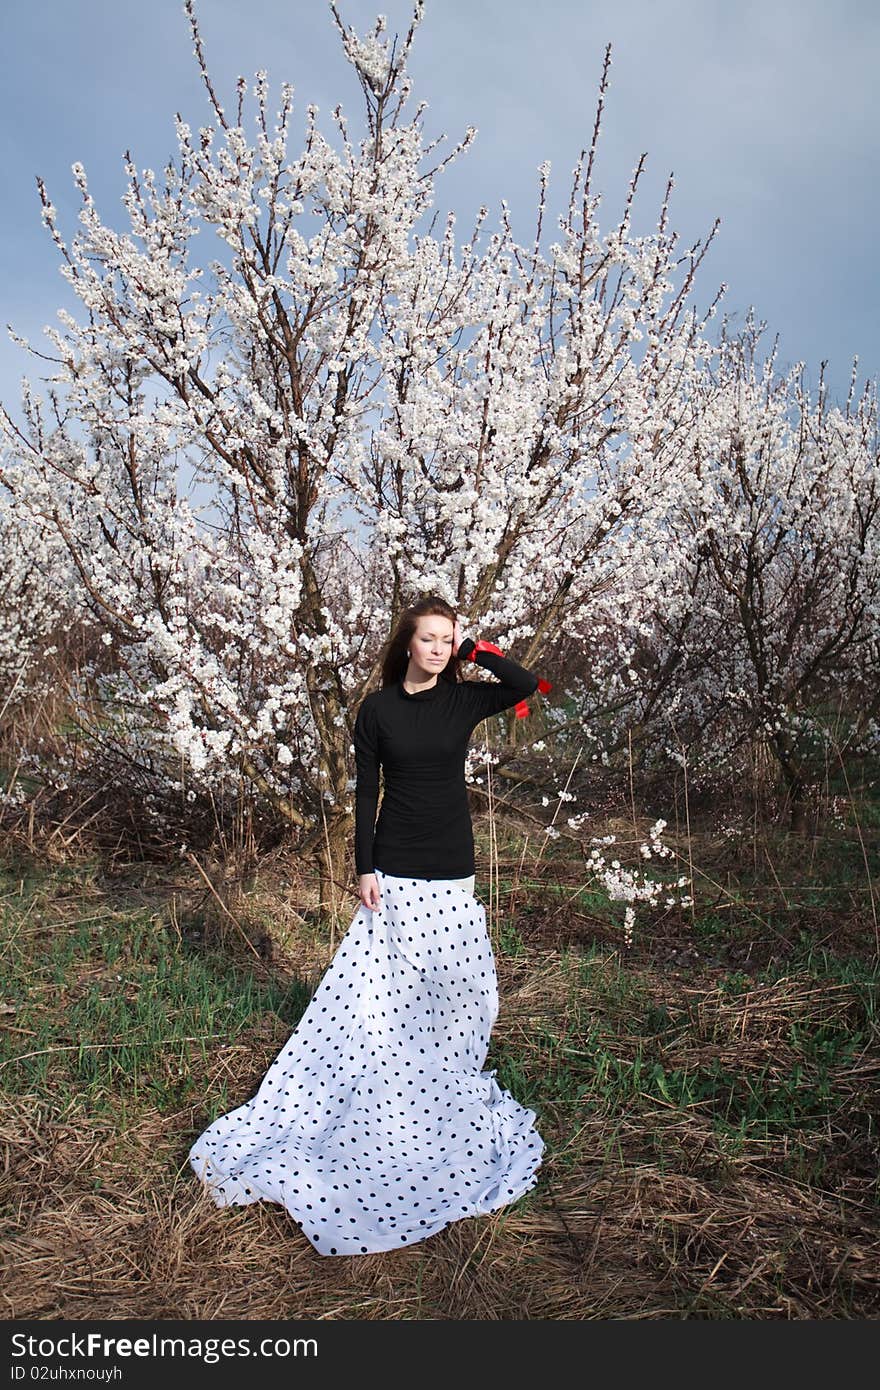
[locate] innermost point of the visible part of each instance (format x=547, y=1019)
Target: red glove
x=521, y=708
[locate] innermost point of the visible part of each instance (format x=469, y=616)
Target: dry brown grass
x=643, y=1210
x=613, y=1238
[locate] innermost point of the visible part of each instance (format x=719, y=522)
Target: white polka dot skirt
x=375, y=1126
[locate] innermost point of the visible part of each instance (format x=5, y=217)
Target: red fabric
x=522, y=708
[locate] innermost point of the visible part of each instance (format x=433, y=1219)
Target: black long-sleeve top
x=420, y=741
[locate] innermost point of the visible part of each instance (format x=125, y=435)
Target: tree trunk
x=798, y=821
x=330, y=858
x=795, y=782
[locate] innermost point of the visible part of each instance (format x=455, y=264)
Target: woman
x=375, y=1126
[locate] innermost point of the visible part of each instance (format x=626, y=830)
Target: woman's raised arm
x=514, y=682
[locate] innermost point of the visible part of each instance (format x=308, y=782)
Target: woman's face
x=431, y=643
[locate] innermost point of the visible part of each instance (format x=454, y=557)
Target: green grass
x=112, y=1006
x=510, y=940
x=620, y=1051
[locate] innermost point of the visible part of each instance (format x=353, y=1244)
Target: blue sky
x=766, y=111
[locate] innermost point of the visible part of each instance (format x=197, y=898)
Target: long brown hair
x=395, y=659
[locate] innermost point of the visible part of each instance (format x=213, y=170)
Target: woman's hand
x=457, y=638
x=369, y=891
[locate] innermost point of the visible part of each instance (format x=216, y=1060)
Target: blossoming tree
x=770, y=631
x=366, y=409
